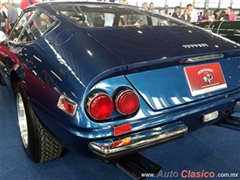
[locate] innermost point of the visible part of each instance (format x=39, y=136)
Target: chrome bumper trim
x=140, y=140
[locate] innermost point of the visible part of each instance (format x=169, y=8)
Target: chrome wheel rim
x=22, y=120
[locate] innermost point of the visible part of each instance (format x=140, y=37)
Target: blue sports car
x=114, y=79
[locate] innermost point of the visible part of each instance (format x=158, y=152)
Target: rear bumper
x=108, y=149
x=146, y=132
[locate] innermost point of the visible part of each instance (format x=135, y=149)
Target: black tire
x=2, y=81
x=41, y=145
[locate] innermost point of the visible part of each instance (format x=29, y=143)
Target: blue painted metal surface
x=74, y=61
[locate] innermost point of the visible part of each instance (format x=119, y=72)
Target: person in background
x=206, y=18
x=185, y=16
x=3, y=19
x=215, y=15
x=170, y=14
x=26, y=3
x=143, y=18
x=193, y=13
x=12, y=14
x=222, y=16
x=151, y=6
x=231, y=15
x=153, y=19
x=145, y=5
x=176, y=12
x=50, y=21
x=200, y=17
x=219, y=15
x=124, y=1
x=11, y=2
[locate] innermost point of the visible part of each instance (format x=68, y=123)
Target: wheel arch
x=14, y=79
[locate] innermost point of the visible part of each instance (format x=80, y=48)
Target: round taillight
x=127, y=102
x=100, y=106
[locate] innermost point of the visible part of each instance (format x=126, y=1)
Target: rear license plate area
x=205, y=78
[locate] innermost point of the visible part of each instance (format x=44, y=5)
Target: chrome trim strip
x=143, y=138
x=204, y=58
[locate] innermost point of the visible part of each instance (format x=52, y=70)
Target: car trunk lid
x=134, y=45
x=173, y=66
x=177, y=85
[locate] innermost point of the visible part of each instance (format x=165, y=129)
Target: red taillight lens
x=100, y=106
x=127, y=102
x=67, y=105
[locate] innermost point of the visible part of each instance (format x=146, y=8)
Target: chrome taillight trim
x=68, y=100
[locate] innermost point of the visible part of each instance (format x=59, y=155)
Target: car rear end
x=171, y=101
x=130, y=85
x=177, y=78
x=185, y=78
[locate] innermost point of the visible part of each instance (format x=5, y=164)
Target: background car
x=112, y=80
x=228, y=29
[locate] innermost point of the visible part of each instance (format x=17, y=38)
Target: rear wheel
x=39, y=144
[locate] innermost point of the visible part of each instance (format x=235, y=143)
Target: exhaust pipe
x=137, y=166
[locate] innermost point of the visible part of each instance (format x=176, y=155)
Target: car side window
x=40, y=23
x=20, y=25
x=28, y=35
x=35, y=27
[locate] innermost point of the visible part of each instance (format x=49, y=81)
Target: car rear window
x=94, y=16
